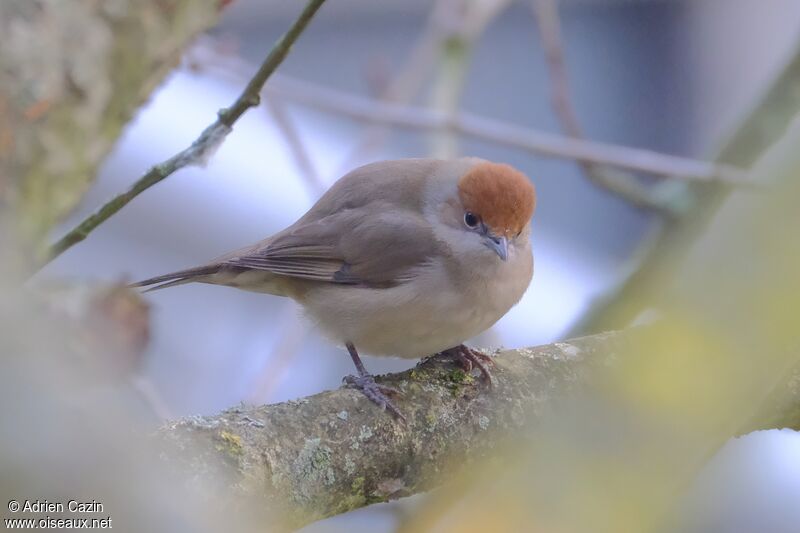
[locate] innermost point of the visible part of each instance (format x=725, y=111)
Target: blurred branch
x=151, y=397
x=285, y=348
x=448, y=84
x=624, y=185
x=665, y=250
x=461, y=23
x=549, y=25
x=461, y=19
x=405, y=84
x=205, y=145
x=335, y=451
x=297, y=147
x=538, y=142
x=73, y=74
x=418, y=118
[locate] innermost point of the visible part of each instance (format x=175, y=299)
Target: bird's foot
x=377, y=393
x=469, y=359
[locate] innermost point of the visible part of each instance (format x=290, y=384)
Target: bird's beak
x=499, y=245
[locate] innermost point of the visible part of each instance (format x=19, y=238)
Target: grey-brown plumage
x=355, y=234
x=407, y=257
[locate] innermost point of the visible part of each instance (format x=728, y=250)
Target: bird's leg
x=469, y=358
x=365, y=382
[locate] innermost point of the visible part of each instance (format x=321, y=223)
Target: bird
x=405, y=258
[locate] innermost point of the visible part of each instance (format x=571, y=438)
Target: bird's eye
x=471, y=220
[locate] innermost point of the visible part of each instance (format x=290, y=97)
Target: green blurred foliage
x=618, y=458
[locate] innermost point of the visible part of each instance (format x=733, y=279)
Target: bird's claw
x=376, y=393
x=469, y=359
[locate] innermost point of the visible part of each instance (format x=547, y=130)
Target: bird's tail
x=176, y=278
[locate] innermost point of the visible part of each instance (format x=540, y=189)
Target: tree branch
x=531, y=140
x=535, y=141
x=624, y=185
x=663, y=253
x=334, y=452
x=204, y=146
x=73, y=75
x=404, y=84
x=315, y=185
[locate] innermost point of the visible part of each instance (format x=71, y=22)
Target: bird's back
x=333, y=234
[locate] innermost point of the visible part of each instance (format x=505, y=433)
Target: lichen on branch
x=335, y=451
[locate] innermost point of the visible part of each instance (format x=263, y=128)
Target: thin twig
x=448, y=18
x=204, y=146
x=625, y=185
x=297, y=148
x=147, y=391
x=404, y=85
x=422, y=119
x=285, y=349
x=448, y=84
x=549, y=25
x=487, y=129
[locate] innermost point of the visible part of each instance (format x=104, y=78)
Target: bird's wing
x=372, y=246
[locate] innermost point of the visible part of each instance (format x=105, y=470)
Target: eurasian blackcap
x=406, y=258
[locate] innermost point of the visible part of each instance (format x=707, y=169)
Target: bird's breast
x=432, y=312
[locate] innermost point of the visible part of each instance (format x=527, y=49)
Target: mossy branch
x=204, y=146
x=335, y=451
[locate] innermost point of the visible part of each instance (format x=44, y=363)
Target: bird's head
x=490, y=210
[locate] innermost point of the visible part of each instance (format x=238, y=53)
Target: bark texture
x=71, y=76
x=335, y=451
